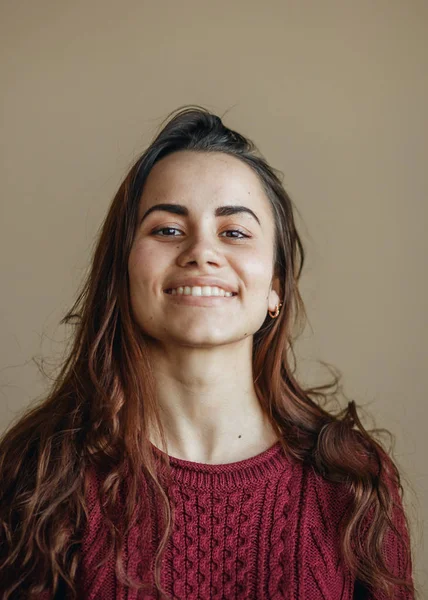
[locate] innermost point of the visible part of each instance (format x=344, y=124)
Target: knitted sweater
x=261, y=528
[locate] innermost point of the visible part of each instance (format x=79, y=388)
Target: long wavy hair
x=100, y=406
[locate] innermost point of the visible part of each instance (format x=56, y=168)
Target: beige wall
x=334, y=93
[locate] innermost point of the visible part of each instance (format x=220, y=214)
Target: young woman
x=177, y=456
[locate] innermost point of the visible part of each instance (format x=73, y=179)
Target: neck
x=208, y=405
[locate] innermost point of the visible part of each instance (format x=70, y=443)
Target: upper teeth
x=197, y=290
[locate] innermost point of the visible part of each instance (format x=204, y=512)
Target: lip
x=201, y=281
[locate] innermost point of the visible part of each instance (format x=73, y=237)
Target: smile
x=198, y=291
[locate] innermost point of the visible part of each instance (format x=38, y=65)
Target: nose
x=200, y=251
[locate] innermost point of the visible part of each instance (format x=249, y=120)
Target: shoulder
x=333, y=496
x=316, y=501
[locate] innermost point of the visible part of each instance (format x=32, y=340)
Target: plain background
x=335, y=95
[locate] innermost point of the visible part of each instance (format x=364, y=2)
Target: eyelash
x=156, y=231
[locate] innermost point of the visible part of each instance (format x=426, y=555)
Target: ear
x=274, y=294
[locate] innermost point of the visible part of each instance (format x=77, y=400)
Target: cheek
x=138, y=279
x=258, y=271
x=142, y=264
x=134, y=268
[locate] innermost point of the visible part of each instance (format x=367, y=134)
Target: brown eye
x=236, y=231
x=156, y=231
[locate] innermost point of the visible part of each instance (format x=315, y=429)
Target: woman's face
x=200, y=240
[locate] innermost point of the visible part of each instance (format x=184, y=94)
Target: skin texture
x=202, y=353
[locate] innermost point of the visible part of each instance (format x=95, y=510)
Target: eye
x=157, y=231
x=236, y=231
x=165, y=229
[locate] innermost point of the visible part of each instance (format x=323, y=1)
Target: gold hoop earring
x=276, y=313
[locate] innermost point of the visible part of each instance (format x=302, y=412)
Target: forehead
x=203, y=178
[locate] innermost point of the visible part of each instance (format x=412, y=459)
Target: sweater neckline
x=253, y=470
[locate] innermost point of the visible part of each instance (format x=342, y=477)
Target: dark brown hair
x=101, y=404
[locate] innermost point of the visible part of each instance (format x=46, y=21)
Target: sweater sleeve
x=396, y=545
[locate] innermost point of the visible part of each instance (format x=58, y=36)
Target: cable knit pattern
x=262, y=528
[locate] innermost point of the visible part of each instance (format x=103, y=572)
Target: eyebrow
x=220, y=211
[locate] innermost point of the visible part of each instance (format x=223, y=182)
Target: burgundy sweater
x=261, y=528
